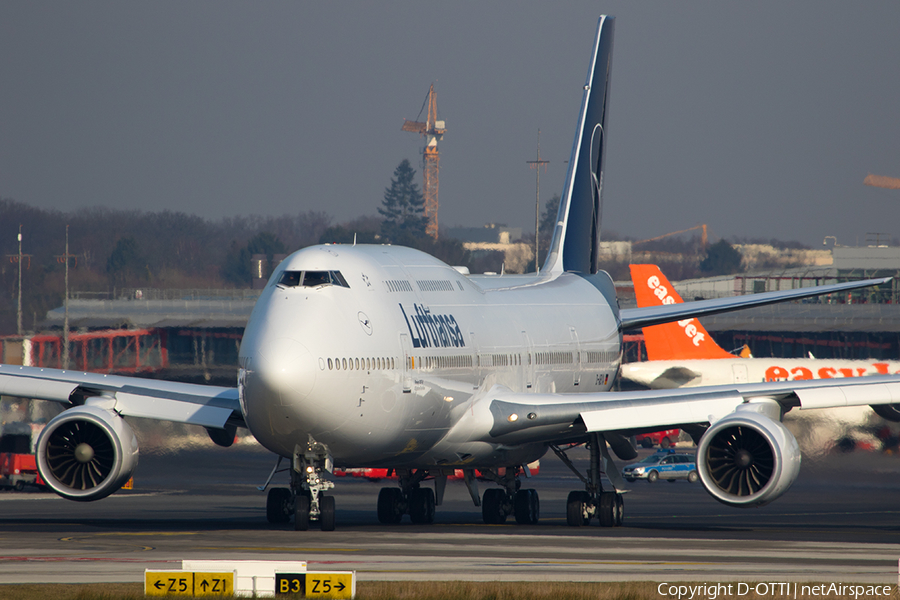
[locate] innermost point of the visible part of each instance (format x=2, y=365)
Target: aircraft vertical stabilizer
x=679, y=340
x=576, y=237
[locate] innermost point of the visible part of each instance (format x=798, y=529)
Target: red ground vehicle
x=378, y=474
x=663, y=439
x=17, y=465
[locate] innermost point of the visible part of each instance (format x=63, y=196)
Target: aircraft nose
x=284, y=368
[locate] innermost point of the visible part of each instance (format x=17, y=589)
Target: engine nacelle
x=891, y=412
x=86, y=453
x=747, y=459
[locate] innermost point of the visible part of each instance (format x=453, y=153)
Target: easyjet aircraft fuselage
x=684, y=354
x=377, y=352
x=724, y=371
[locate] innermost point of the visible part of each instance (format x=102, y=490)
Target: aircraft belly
x=480, y=455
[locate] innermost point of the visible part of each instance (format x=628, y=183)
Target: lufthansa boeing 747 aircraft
x=382, y=356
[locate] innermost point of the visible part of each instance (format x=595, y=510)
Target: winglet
x=679, y=340
x=576, y=237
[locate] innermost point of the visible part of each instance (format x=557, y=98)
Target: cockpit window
x=291, y=278
x=312, y=279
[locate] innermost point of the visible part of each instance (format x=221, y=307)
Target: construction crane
x=703, y=238
x=891, y=183
x=433, y=130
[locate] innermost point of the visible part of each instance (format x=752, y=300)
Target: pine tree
x=124, y=263
x=403, y=207
x=721, y=259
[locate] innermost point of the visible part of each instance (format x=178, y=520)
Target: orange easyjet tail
x=673, y=341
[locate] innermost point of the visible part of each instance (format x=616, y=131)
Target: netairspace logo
x=711, y=591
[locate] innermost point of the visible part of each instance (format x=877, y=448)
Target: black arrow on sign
x=204, y=584
x=339, y=586
x=159, y=585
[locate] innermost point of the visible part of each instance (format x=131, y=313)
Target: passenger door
x=405, y=358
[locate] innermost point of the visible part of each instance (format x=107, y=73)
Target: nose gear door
x=406, y=360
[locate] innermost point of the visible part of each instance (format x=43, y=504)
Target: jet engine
x=86, y=453
x=747, y=459
x=891, y=412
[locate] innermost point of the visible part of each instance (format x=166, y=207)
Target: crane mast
x=433, y=130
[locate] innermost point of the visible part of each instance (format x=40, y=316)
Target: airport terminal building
x=194, y=335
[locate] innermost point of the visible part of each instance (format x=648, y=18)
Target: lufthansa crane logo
x=429, y=330
x=365, y=323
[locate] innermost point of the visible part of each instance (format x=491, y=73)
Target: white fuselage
x=381, y=369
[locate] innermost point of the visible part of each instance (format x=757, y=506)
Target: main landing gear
x=498, y=504
x=419, y=502
x=582, y=506
x=410, y=498
x=305, y=500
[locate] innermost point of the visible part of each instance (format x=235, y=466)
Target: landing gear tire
x=492, y=507
x=421, y=506
x=646, y=443
x=665, y=443
x=575, y=512
x=279, y=506
x=620, y=511
x=693, y=477
x=301, y=512
x=527, y=507
x=326, y=512
x=606, y=512
x=652, y=477
x=390, y=511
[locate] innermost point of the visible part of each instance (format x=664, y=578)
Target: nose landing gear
x=305, y=500
x=308, y=485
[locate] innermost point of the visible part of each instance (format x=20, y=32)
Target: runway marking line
x=279, y=549
x=776, y=516
x=609, y=562
x=77, y=559
x=143, y=533
x=78, y=538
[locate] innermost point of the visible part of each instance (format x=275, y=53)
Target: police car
x=663, y=465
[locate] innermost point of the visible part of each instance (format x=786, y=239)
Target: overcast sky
x=760, y=119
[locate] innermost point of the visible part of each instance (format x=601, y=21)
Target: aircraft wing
x=514, y=417
x=635, y=318
x=209, y=406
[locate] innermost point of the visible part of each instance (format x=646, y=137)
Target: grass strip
x=441, y=590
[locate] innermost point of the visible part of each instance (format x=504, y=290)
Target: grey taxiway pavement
x=839, y=522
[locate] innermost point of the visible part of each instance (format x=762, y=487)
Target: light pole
x=65, y=356
x=19, y=311
x=536, y=165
